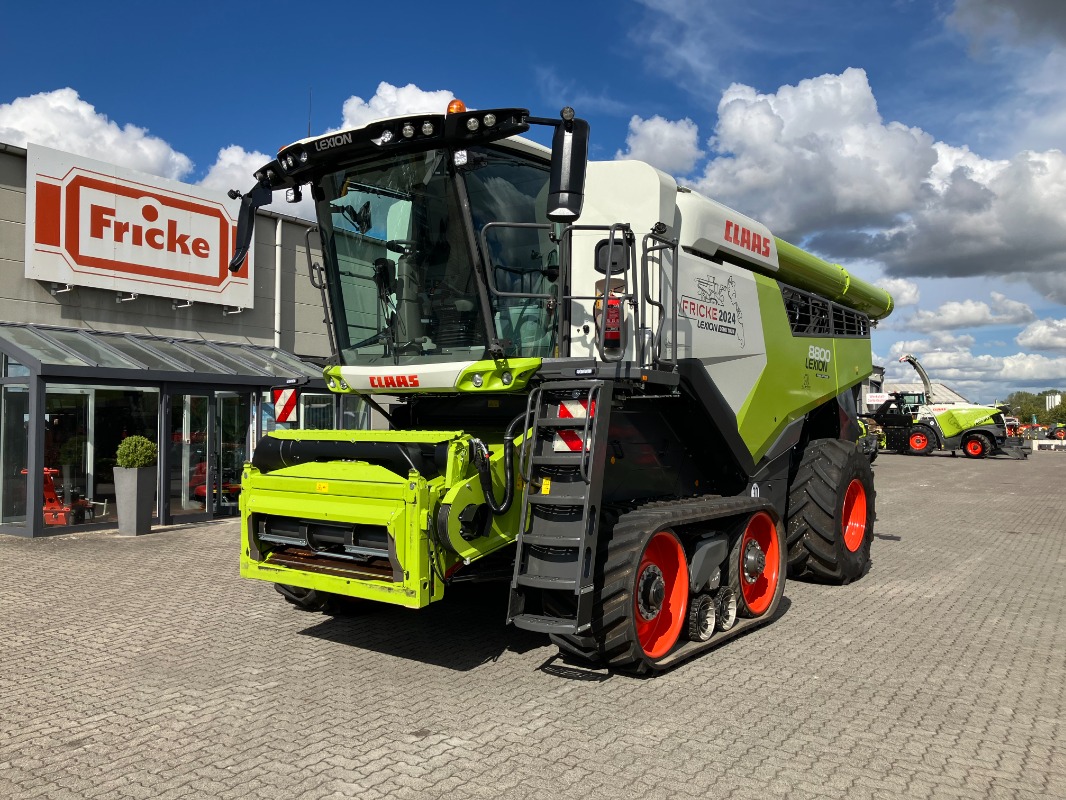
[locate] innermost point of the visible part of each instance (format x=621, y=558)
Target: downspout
x=277, y=282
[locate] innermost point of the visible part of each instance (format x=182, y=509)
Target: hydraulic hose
x=481, y=461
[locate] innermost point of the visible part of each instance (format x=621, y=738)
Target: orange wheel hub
x=660, y=594
x=760, y=563
x=853, y=515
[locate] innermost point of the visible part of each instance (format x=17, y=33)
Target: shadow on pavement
x=460, y=633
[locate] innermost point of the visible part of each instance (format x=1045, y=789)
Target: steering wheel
x=405, y=247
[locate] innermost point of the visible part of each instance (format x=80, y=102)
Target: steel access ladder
x=562, y=468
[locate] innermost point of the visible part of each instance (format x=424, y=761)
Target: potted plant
x=135, y=484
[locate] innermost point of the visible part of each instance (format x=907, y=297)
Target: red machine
x=55, y=512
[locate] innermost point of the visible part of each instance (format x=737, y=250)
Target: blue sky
x=918, y=142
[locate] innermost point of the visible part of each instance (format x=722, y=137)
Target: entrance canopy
x=69, y=396
x=79, y=354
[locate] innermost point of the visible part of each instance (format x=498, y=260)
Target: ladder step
x=544, y=624
x=541, y=540
x=545, y=582
x=577, y=500
x=565, y=422
x=561, y=459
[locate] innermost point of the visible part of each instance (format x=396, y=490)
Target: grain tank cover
x=711, y=228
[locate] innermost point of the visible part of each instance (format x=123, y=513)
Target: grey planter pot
x=134, y=499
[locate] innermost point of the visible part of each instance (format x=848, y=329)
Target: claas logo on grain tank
x=749, y=240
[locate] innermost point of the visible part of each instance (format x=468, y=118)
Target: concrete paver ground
x=146, y=668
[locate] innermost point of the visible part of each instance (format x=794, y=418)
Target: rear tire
x=831, y=513
x=977, y=445
x=921, y=441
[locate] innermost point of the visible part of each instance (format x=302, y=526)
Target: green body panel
x=793, y=384
x=356, y=492
x=956, y=420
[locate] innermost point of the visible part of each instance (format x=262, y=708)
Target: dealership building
x=119, y=316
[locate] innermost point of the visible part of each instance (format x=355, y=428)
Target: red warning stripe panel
x=571, y=440
x=47, y=216
x=284, y=405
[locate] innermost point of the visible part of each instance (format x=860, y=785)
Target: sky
x=916, y=142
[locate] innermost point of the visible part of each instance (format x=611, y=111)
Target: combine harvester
x=913, y=424
x=644, y=420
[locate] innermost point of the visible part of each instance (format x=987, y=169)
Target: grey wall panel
x=13, y=171
x=12, y=205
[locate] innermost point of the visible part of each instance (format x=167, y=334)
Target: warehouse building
x=118, y=316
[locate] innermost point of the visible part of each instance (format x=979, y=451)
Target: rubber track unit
x=612, y=640
x=814, y=533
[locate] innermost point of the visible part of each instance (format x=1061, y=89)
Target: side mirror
x=260, y=195
x=566, y=186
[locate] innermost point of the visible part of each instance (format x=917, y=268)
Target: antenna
x=308, y=112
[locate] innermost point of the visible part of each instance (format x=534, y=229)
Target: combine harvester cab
x=635, y=404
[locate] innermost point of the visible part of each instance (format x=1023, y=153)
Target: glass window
x=354, y=413
x=143, y=353
x=183, y=356
x=316, y=411
x=14, y=452
x=13, y=369
x=262, y=360
x=222, y=357
x=83, y=428
x=39, y=347
x=86, y=347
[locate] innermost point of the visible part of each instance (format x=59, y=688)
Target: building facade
x=97, y=344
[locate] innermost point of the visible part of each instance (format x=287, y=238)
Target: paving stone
x=146, y=668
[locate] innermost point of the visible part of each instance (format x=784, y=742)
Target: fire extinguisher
x=612, y=321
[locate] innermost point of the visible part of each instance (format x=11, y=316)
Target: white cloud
x=672, y=146
x=903, y=291
x=972, y=314
x=816, y=157
x=234, y=169
x=62, y=120
x=981, y=378
x=393, y=101
x=1044, y=334
x=817, y=163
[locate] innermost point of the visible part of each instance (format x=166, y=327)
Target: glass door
x=189, y=465
x=233, y=419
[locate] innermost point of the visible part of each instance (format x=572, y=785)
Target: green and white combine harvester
x=644, y=419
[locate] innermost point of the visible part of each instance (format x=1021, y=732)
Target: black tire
x=824, y=496
x=702, y=618
x=977, y=445
x=307, y=599
x=612, y=640
x=921, y=440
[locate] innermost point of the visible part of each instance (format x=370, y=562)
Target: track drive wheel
x=831, y=513
x=921, y=441
x=976, y=445
x=639, y=611
x=756, y=566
